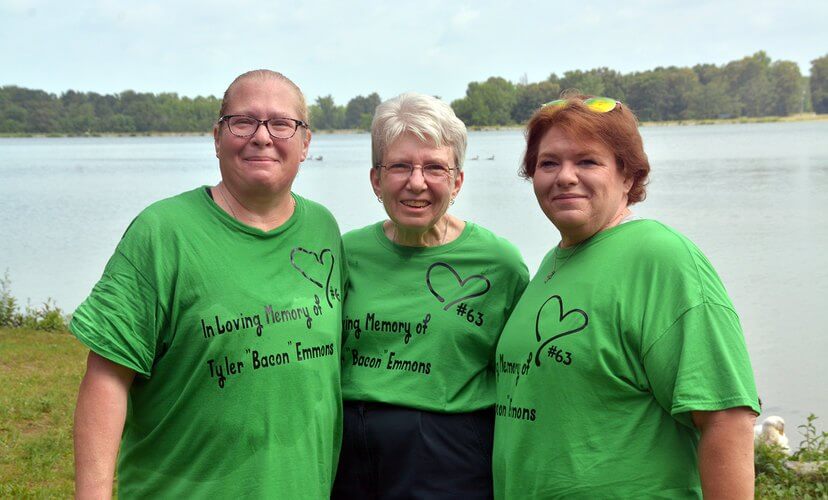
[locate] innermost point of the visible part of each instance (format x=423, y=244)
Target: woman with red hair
x=622, y=371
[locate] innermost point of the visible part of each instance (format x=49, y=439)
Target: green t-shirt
x=421, y=323
x=602, y=362
x=234, y=334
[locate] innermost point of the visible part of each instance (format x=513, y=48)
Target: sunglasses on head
x=597, y=104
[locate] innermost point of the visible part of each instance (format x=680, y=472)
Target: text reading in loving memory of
x=218, y=325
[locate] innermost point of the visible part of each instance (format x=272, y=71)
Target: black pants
x=391, y=452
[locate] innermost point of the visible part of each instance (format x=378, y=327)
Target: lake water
x=754, y=197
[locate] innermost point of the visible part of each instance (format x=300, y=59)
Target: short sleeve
x=120, y=318
x=701, y=364
x=521, y=283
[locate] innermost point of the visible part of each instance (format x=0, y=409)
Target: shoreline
x=154, y=134
x=801, y=117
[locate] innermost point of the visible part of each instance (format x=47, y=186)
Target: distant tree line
x=750, y=87
x=27, y=111
x=753, y=86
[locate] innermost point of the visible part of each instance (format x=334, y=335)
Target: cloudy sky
x=196, y=47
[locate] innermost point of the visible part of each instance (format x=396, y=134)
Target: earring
x=379, y=199
x=451, y=202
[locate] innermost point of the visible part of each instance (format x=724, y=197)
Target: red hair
x=617, y=130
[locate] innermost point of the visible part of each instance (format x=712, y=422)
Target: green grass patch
x=41, y=372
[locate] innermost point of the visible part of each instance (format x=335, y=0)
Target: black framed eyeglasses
x=278, y=128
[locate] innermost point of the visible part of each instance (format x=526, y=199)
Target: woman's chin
x=415, y=221
x=567, y=219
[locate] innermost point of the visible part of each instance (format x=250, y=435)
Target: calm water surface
x=753, y=197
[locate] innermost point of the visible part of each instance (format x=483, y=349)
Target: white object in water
x=771, y=432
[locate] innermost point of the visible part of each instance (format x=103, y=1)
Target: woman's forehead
x=411, y=142
x=258, y=92
x=560, y=139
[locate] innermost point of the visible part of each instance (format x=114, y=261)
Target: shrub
x=801, y=475
x=45, y=317
x=8, y=304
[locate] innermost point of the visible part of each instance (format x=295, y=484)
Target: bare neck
x=263, y=212
x=571, y=239
x=447, y=229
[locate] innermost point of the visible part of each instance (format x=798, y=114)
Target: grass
x=40, y=373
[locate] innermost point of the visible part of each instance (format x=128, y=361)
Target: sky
x=345, y=49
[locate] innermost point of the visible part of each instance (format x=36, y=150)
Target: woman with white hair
x=428, y=297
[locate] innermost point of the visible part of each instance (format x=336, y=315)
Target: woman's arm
x=99, y=423
x=726, y=452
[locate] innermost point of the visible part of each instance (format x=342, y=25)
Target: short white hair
x=428, y=118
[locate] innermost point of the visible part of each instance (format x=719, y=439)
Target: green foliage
x=819, y=84
x=47, y=316
x=749, y=79
x=753, y=86
x=586, y=82
x=786, y=88
x=807, y=103
x=711, y=101
x=802, y=475
x=647, y=94
x=358, y=108
x=326, y=115
x=814, y=445
x=487, y=103
x=8, y=304
x=532, y=96
x=25, y=111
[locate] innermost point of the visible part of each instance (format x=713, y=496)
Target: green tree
x=806, y=106
x=78, y=114
x=647, y=95
x=787, y=89
x=681, y=84
x=707, y=73
x=749, y=79
x=713, y=100
x=326, y=115
x=487, y=103
x=359, y=108
x=598, y=81
x=532, y=96
x=143, y=109
x=585, y=82
x=819, y=84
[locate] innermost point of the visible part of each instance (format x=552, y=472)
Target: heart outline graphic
x=461, y=282
x=561, y=317
x=320, y=259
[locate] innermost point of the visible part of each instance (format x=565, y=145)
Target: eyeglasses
x=278, y=128
x=597, y=104
x=431, y=172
